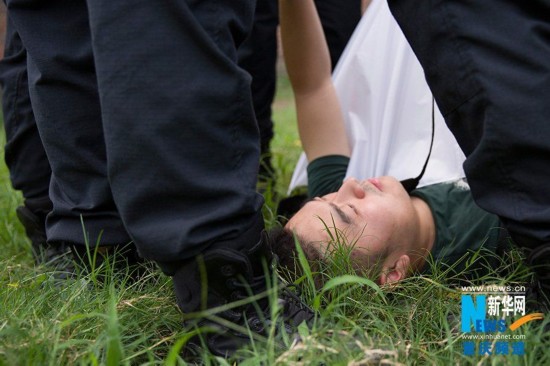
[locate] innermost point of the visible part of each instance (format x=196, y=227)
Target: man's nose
x=351, y=188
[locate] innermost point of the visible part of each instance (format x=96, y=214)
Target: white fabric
x=387, y=108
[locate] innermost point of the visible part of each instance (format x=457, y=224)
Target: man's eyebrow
x=345, y=218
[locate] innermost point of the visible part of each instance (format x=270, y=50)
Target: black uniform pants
x=488, y=66
x=146, y=120
x=25, y=157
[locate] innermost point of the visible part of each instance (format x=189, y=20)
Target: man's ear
x=397, y=272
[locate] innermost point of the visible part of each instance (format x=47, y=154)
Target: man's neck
x=425, y=238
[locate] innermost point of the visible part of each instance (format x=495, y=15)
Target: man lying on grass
x=384, y=224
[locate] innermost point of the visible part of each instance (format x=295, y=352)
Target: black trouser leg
x=25, y=156
x=339, y=19
x=63, y=90
x=487, y=64
x=258, y=56
x=181, y=138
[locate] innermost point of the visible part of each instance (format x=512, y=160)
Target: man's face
x=376, y=214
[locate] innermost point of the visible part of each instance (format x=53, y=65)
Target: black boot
x=33, y=217
x=229, y=276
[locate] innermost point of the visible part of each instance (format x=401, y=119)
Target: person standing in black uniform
x=486, y=63
x=148, y=127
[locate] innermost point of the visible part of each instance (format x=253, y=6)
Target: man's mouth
x=376, y=183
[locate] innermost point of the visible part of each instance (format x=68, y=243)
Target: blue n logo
x=472, y=313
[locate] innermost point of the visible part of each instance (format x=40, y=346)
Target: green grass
x=114, y=321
